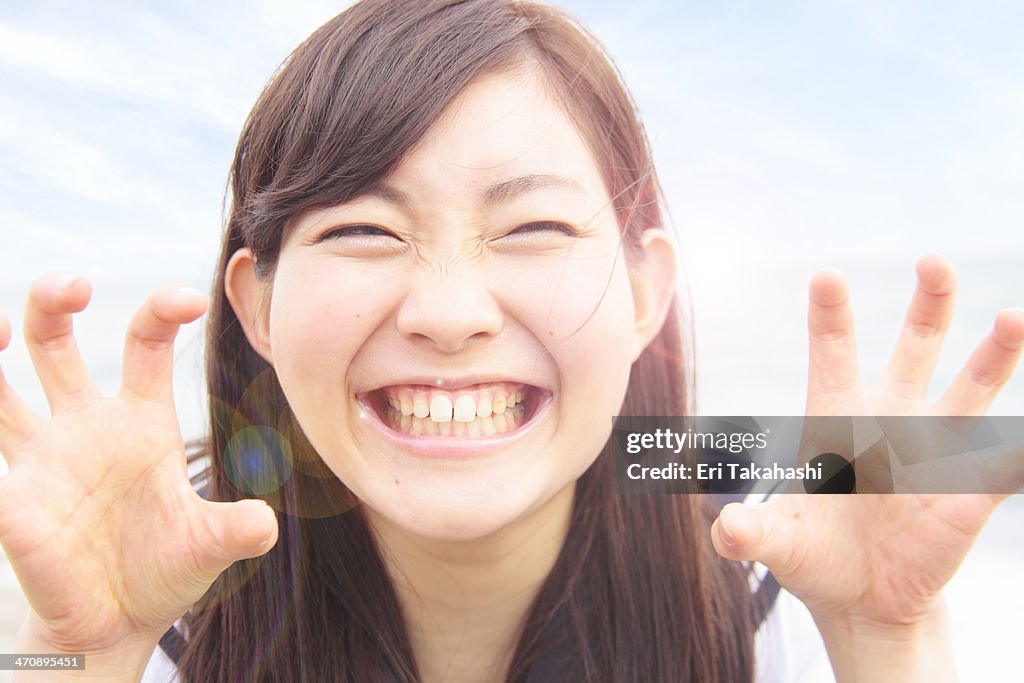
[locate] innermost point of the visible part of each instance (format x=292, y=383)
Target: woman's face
x=455, y=343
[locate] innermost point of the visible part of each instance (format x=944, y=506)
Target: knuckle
x=905, y=388
x=138, y=397
x=1007, y=346
x=77, y=399
x=6, y=525
x=43, y=290
x=158, y=303
x=151, y=342
x=829, y=335
x=41, y=282
x=52, y=344
x=152, y=328
x=985, y=378
x=835, y=388
x=205, y=551
x=925, y=329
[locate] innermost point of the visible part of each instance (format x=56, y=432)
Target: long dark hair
x=637, y=593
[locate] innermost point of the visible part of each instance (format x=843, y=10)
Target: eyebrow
x=504, y=191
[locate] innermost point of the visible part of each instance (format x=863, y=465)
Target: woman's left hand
x=877, y=563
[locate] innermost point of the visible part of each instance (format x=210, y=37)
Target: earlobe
x=654, y=285
x=248, y=297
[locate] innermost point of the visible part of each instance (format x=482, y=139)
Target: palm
x=880, y=557
x=883, y=558
x=97, y=515
x=101, y=515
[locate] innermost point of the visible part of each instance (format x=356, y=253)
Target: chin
x=454, y=513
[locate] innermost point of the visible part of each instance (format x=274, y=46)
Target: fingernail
x=65, y=281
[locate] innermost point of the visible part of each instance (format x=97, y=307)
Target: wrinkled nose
x=449, y=310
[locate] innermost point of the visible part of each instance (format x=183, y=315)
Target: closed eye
x=356, y=231
x=544, y=226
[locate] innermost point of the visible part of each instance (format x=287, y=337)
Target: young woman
x=444, y=272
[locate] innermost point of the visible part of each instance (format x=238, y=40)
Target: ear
x=250, y=300
x=654, y=283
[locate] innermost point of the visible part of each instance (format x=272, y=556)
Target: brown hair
x=637, y=593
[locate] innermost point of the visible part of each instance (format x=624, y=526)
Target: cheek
x=579, y=307
x=573, y=290
x=320, y=314
x=583, y=313
x=593, y=357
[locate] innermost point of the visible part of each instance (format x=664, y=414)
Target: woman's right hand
x=106, y=535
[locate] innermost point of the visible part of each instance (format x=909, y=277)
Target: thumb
x=761, y=532
x=239, y=530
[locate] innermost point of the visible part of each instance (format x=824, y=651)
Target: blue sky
x=789, y=136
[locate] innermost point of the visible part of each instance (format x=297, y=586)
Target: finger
x=149, y=344
x=51, y=342
x=769, y=533
x=234, y=531
x=989, y=368
x=824, y=434
x=17, y=421
x=924, y=330
x=1002, y=472
x=833, y=349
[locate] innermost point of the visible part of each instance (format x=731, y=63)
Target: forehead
x=500, y=127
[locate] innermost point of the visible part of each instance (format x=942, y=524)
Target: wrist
x=120, y=663
x=864, y=650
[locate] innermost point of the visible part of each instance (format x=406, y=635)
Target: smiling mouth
x=478, y=411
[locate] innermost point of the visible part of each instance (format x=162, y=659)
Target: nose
x=449, y=308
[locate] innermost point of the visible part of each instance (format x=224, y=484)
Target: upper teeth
x=441, y=408
x=464, y=409
x=460, y=405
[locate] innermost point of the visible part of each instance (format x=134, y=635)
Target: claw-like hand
x=106, y=536
x=879, y=560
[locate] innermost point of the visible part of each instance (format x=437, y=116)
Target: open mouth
x=478, y=411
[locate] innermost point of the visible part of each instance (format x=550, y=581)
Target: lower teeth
x=480, y=426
